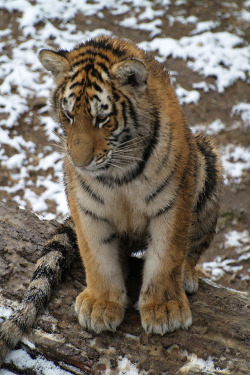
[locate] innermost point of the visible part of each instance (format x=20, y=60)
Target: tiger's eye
x=101, y=118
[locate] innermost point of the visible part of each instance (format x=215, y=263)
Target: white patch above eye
x=68, y=100
x=67, y=107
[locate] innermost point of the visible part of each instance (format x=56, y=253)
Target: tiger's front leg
x=163, y=303
x=101, y=306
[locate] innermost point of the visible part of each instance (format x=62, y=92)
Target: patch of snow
x=153, y=26
x=125, y=367
x=5, y=313
x=218, y=267
x=244, y=15
x=204, y=26
x=204, y=86
x=37, y=365
x=197, y=365
x=242, y=110
x=187, y=97
x=220, y=54
x=235, y=160
x=237, y=239
x=214, y=128
x=15, y=161
x=241, y=242
x=182, y=19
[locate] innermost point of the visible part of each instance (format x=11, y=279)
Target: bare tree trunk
x=220, y=334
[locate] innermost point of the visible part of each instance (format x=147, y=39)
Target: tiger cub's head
x=102, y=101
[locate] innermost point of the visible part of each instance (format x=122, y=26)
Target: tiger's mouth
x=94, y=165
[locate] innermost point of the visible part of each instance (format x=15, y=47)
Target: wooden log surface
x=217, y=343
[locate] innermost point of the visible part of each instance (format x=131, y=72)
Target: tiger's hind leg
x=206, y=207
x=190, y=277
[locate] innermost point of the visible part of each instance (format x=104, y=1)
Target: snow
x=204, y=26
x=5, y=313
x=186, y=96
x=125, y=367
x=38, y=365
x=222, y=56
x=235, y=161
x=196, y=365
x=242, y=110
x=237, y=239
x=240, y=241
x=213, y=128
x=218, y=54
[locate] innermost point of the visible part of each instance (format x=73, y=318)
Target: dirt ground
x=235, y=210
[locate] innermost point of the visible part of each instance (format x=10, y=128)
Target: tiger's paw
x=98, y=315
x=190, y=278
x=169, y=316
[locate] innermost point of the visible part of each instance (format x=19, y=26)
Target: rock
x=219, y=337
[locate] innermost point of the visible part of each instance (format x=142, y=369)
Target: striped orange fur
x=136, y=178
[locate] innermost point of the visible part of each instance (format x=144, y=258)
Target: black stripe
x=55, y=246
x=135, y=172
x=78, y=83
x=204, y=231
x=91, y=214
x=47, y=272
x=177, y=192
x=96, y=74
x=80, y=62
x=211, y=176
x=167, y=154
x=124, y=109
x=105, y=45
x=38, y=297
x=170, y=204
x=104, y=68
x=132, y=112
x=116, y=96
x=65, y=229
x=86, y=60
x=97, y=87
x=95, y=97
x=91, y=193
x=110, y=238
x=57, y=94
x=162, y=186
x=95, y=53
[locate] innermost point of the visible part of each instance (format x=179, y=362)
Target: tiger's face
x=95, y=101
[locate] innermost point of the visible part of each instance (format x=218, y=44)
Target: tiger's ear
x=132, y=73
x=53, y=61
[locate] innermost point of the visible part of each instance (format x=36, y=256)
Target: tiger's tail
x=57, y=256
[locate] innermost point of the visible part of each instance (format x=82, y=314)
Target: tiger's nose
x=81, y=151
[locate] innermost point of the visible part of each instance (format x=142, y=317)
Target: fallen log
x=218, y=341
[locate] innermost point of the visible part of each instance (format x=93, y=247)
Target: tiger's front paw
x=165, y=317
x=98, y=315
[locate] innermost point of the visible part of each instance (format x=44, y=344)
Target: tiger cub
x=136, y=178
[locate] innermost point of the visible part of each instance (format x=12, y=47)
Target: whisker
x=127, y=157
x=137, y=140
x=115, y=165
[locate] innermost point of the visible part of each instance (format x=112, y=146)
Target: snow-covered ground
x=221, y=56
